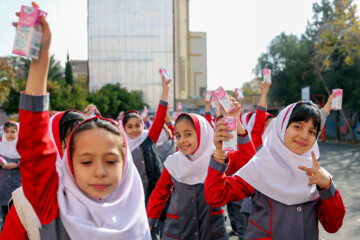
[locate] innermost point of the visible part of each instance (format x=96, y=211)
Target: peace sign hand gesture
x=317, y=175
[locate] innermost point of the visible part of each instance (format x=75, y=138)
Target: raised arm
x=38, y=154
x=160, y=116
x=159, y=197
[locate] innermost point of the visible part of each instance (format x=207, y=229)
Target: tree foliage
x=112, y=98
x=289, y=58
x=327, y=54
x=7, y=79
x=68, y=72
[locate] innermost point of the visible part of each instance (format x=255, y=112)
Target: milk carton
x=215, y=104
x=337, y=100
x=28, y=33
x=3, y=161
x=240, y=95
x=179, y=106
x=145, y=112
x=207, y=96
x=223, y=99
x=231, y=144
x=267, y=75
x=166, y=75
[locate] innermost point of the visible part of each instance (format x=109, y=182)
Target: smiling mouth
x=185, y=147
x=300, y=144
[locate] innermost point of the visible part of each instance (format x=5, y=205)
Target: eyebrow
x=187, y=130
x=303, y=124
x=90, y=154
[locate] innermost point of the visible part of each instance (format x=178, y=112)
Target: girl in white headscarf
x=188, y=216
x=10, y=177
x=290, y=192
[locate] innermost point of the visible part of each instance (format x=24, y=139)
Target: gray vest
x=190, y=217
x=9, y=181
x=270, y=218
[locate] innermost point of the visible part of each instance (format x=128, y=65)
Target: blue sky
x=238, y=31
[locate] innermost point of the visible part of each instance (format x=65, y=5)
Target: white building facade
x=128, y=41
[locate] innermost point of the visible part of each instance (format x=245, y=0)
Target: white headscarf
x=192, y=169
x=54, y=123
x=274, y=170
x=162, y=138
x=119, y=216
x=248, y=123
x=8, y=148
x=134, y=143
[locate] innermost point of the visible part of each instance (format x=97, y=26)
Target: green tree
x=7, y=79
x=289, y=58
x=112, y=98
x=336, y=57
x=11, y=105
x=56, y=72
x=68, y=72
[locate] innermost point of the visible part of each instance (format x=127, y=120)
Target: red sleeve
x=13, y=228
x=159, y=121
x=258, y=129
x=221, y=189
x=240, y=157
x=159, y=195
x=208, y=117
x=172, y=129
x=37, y=166
x=331, y=212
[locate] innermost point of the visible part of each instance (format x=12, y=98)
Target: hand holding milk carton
x=239, y=94
x=223, y=99
x=337, y=100
x=231, y=144
x=267, y=75
x=163, y=72
x=28, y=32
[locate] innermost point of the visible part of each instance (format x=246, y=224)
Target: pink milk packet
x=179, y=106
x=231, y=144
x=145, y=112
x=4, y=162
x=174, y=116
x=337, y=100
x=267, y=75
x=240, y=95
x=28, y=33
x=214, y=103
x=166, y=75
x=223, y=99
x=207, y=96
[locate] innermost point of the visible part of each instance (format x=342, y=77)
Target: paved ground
x=343, y=162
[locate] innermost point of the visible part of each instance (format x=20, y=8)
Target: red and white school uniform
x=64, y=211
x=144, y=152
x=28, y=225
x=284, y=206
x=188, y=216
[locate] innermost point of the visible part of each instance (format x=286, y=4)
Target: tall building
x=129, y=40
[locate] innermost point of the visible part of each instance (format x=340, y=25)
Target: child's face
x=133, y=128
x=97, y=162
x=300, y=136
x=10, y=133
x=186, y=137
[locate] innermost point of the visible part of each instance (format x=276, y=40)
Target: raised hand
x=327, y=106
x=317, y=175
x=166, y=87
x=46, y=32
x=221, y=134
